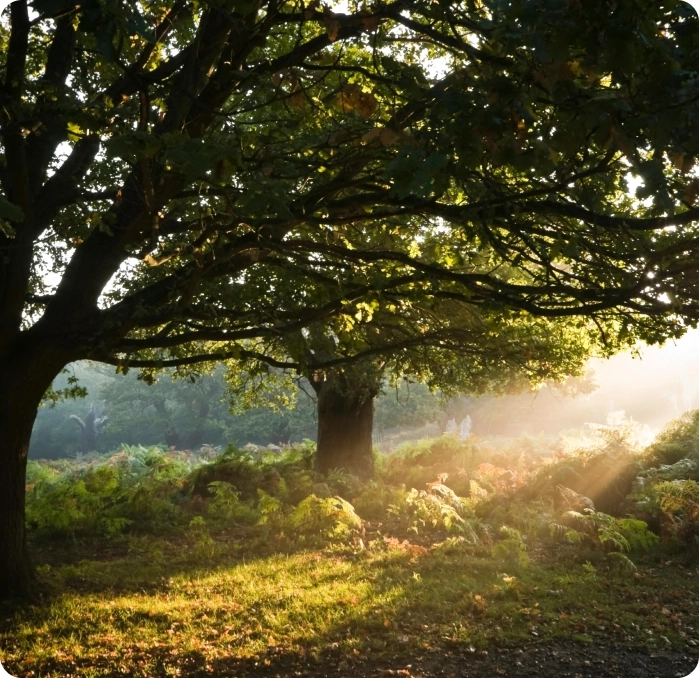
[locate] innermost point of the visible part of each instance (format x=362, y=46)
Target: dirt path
x=561, y=660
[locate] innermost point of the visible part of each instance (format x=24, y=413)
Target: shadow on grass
x=241, y=613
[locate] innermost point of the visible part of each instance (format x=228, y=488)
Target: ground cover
x=159, y=563
x=165, y=611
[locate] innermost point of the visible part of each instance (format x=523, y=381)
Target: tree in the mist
x=178, y=166
x=406, y=404
x=201, y=409
x=461, y=351
x=184, y=413
x=90, y=427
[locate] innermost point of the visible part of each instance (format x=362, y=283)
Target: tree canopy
x=202, y=173
x=202, y=180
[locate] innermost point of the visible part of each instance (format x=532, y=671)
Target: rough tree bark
x=21, y=389
x=345, y=423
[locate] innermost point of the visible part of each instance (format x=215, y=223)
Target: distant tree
x=406, y=404
x=90, y=428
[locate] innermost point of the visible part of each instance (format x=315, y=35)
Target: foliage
x=184, y=413
x=678, y=440
x=140, y=491
x=136, y=486
x=512, y=547
x=312, y=574
x=375, y=498
x=437, y=509
x=405, y=403
x=606, y=533
x=226, y=507
x=330, y=518
x=678, y=501
x=153, y=175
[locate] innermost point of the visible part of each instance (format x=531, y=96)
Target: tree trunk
x=17, y=578
x=22, y=386
x=345, y=422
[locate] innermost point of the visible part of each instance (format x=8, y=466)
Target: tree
x=200, y=409
x=187, y=182
x=184, y=413
x=462, y=352
x=90, y=428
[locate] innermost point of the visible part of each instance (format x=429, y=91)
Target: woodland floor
x=404, y=610
x=544, y=660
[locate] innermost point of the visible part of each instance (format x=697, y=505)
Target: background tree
x=179, y=167
x=202, y=411
x=458, y=351
x=90, y=428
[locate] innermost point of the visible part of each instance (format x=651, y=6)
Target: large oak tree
x=190, y=181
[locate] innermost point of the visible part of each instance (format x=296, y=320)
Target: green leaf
x=10, y=211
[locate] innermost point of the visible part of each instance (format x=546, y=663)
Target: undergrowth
x=477, y=541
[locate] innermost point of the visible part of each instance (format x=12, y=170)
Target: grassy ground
x=174, y=610
x=160, y=563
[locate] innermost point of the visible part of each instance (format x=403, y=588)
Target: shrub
x=137, y=488
x=325, y=518
x=437, y=509
x=226, y=506
x=375, y=498
x=512, y=547
x=678, y=440
x=679, y=504
x=604, y=533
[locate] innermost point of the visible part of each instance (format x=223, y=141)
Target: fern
x=621, y=563
x=270, y=509
x=330, y=518
x=226, y=501
x=512, y=548
x=599, y=531
x=437, y=509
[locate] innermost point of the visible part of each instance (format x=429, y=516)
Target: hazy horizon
x=654, y=388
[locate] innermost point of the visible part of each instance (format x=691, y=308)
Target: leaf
x=681, y=161
x=298, y=99
x=691, y=192
x=352, y=98
x=310, y=10
x=384, y=135
x=10, y=211
x=624, y=144
x=332, y=25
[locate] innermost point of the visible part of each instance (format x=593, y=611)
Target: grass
x=184, y=612
x=160, y=566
